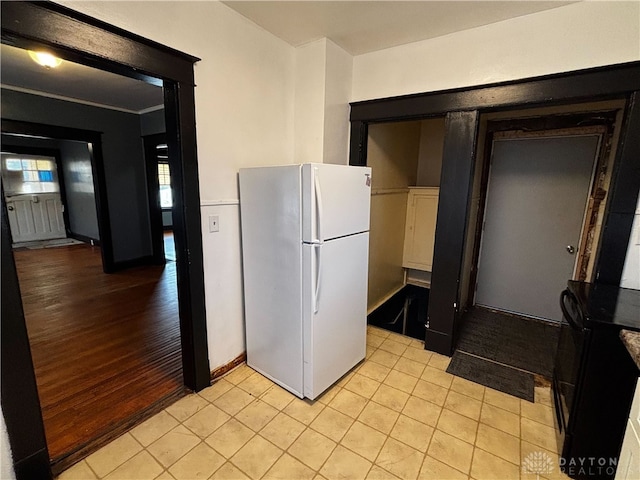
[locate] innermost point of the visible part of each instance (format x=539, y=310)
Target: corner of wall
x=310, y=71
x=338, y=83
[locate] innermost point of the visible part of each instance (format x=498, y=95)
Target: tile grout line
x=369, y=399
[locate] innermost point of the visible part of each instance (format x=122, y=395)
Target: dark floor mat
x=523, y=343
x=494, y=375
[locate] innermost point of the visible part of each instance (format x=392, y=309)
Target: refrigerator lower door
x=335, y=309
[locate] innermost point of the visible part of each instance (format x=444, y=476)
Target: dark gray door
x=536, y=201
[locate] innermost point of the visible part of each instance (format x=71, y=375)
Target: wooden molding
x=226, y=368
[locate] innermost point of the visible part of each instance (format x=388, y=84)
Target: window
x=24, y=174
x=164, y=180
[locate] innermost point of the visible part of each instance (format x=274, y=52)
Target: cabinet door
x=420, y=234
x=629, y=462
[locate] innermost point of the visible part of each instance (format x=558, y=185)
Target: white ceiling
x=366, y=26
x=357, y=26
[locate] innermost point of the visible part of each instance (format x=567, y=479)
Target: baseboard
x=226, y=368
x=85, y=239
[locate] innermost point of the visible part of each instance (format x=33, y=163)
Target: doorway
x=160, y=196
x=34, y=25
x=104, y=339
x=32, y=191
x=535, y=207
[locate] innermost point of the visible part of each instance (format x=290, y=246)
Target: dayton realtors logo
x=588, y=466
x=538, y=463
x=541, y=463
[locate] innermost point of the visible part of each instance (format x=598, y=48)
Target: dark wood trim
x=572, y=87
x=226, y=368
x=20, y=401
x=153, y=191
x=94, y=139
x=187, y=232
x=602, y=83
x=623, y=198
x=555, y=121
x=458, y=162
x=358, y=145
x=80, y=38
x=93, y=42
x=47, y=152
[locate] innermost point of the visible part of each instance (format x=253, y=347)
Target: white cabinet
x=420, y=228
x=629, y=463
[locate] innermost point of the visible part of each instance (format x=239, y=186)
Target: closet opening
x=406, y=162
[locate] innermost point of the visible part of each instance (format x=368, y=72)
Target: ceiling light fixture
x=45, y=59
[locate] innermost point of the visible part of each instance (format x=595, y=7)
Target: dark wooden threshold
x=60, y=464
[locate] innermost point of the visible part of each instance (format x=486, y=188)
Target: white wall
x=309, y=101
x=580, y=35
x=322, y=94
x=393, y=157
x=250, y=111
x=244, y=115
x=6, y=459
x=336, y=105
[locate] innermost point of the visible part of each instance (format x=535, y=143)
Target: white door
x=335, y=310
x=336, y=200
x=35, y=217
x=536, y=201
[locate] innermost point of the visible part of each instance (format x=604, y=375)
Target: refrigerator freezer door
x=335, y=318
x=335, y=200
x=272, y=262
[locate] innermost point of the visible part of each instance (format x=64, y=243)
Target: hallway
x=105, y=347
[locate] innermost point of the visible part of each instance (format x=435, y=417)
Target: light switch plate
x=214, y=223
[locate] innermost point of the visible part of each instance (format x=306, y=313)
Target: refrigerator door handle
x=318, y=194
x=316, y=296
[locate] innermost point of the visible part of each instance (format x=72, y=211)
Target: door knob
x=10, y=207
x=571, y=249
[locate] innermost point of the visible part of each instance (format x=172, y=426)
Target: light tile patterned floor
x=396, y=415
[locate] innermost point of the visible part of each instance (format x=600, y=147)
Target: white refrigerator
x=305, y=246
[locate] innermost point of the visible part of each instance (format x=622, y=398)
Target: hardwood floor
x=105, y=347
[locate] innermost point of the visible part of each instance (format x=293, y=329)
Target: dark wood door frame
x=46, y=152
x=94, y=139
x=153, y=192
x=18, y=389
x=463, y=107
x=83, y=39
